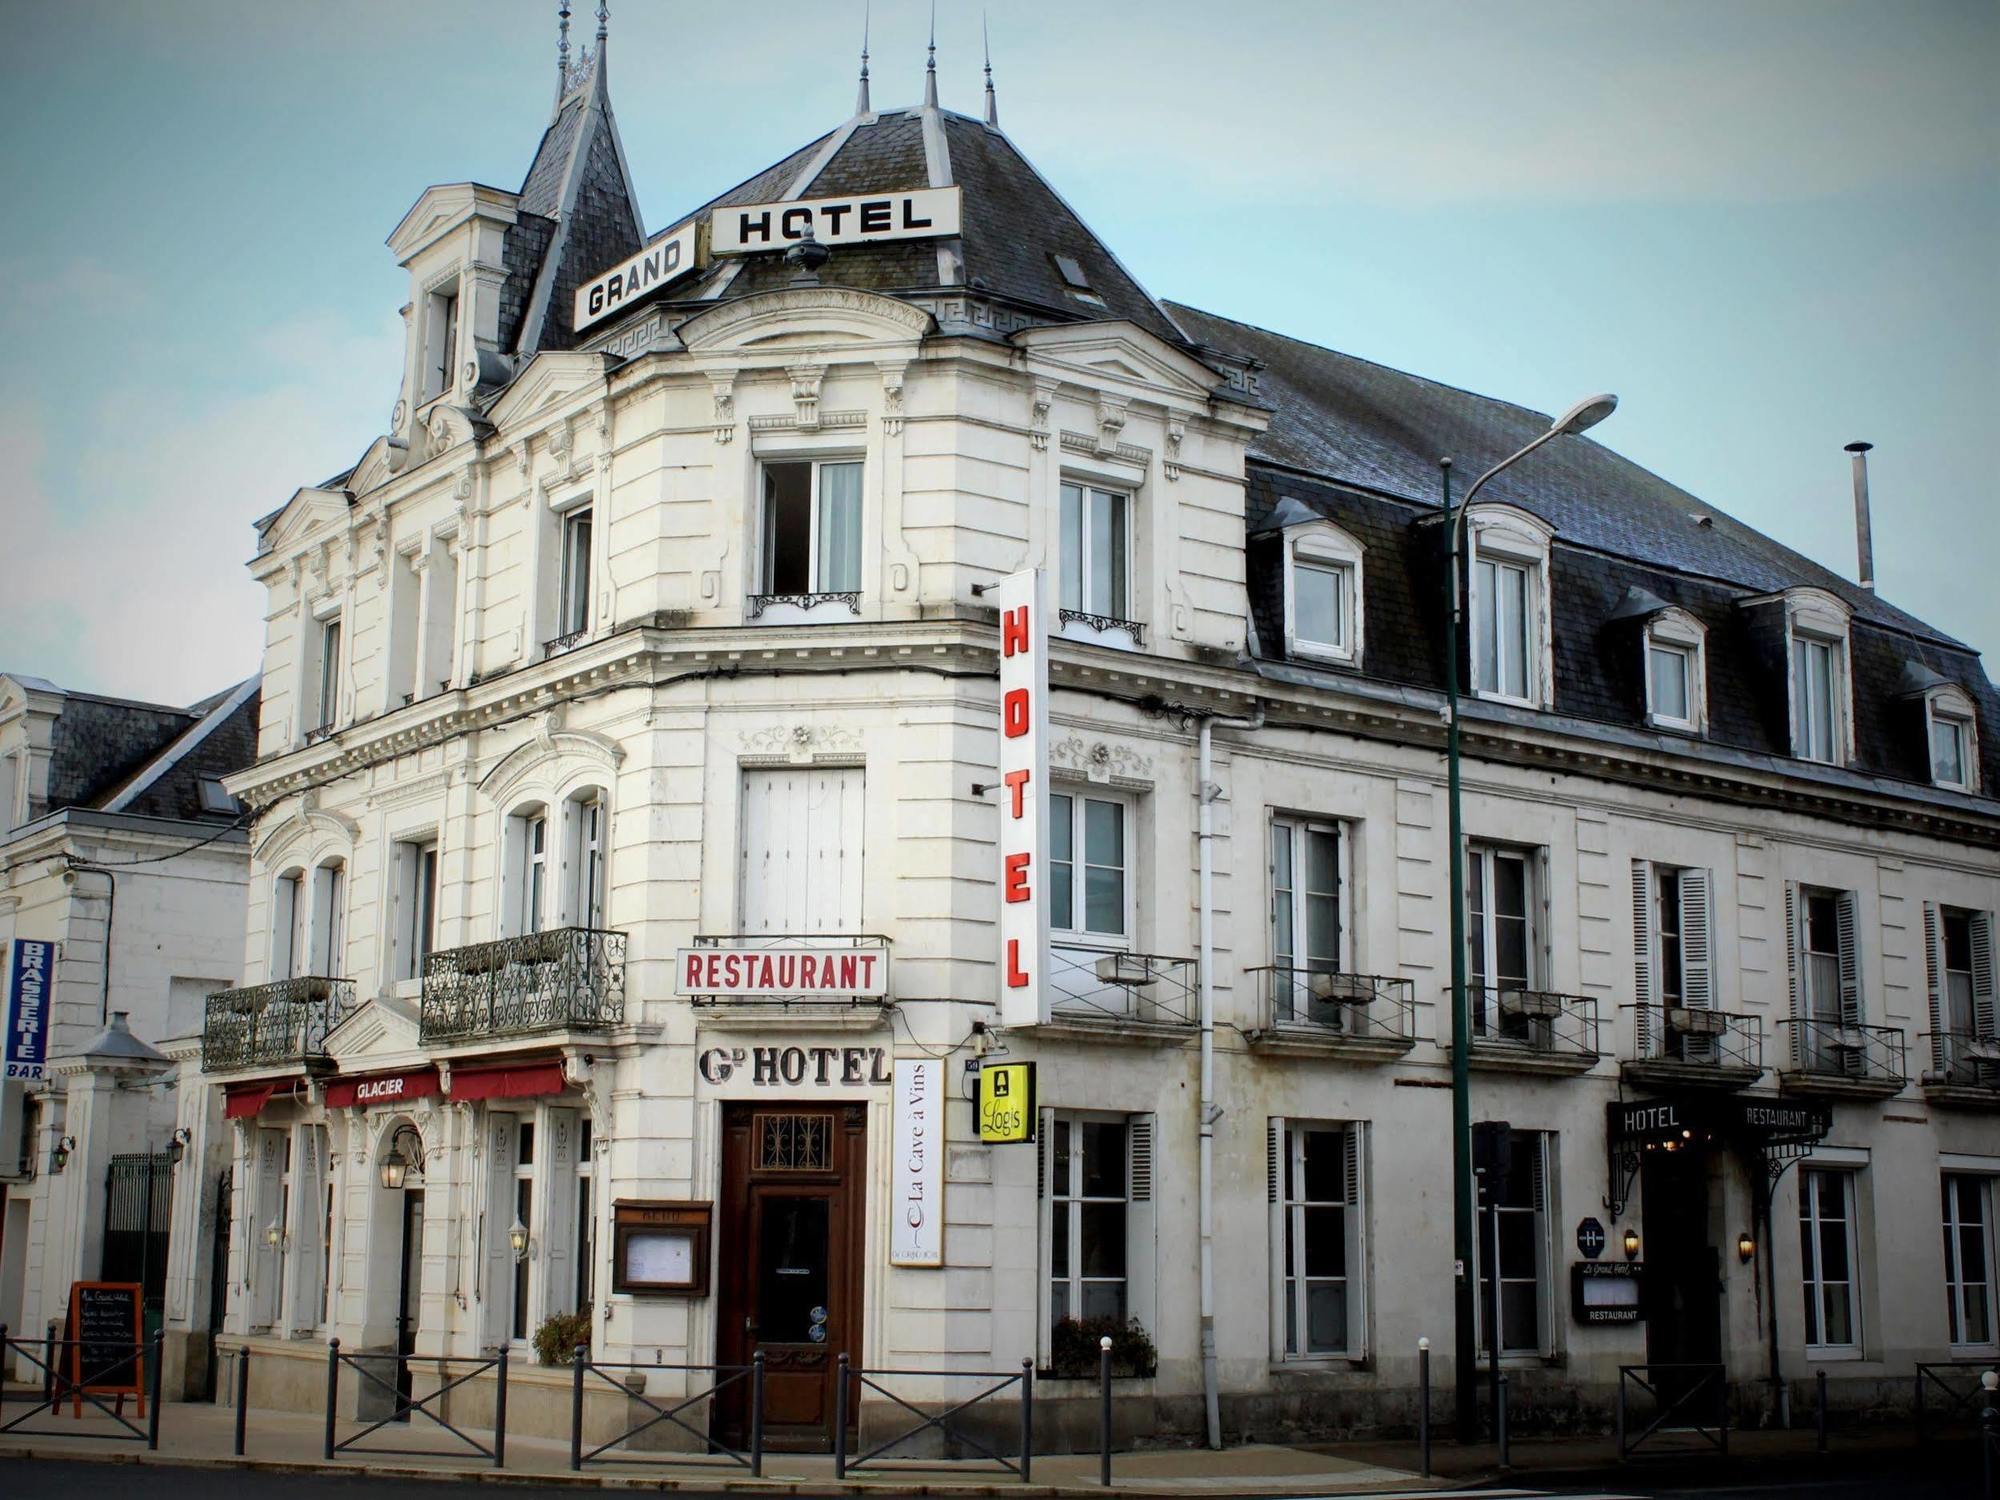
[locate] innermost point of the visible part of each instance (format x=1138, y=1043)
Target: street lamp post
x=1465, y=1374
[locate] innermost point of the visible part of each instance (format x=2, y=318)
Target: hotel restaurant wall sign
x=1697, y=1119
x=788, y=973
x=1024, y=798
x=663, y=261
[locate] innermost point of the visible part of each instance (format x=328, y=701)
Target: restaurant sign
x=1695, y=1119
x=790, y=973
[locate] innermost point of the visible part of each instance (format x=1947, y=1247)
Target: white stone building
x=122, y=868
x=665, y=633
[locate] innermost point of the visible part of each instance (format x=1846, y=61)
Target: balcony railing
x=1961, y=1059
x=1540, y=1022
x=1111, y=985
x=805, y=602
x=273, y=1024
x=569, y=640
x=1104, y=624
x=1696, y=1037
x=1311, y=1004
x=565, y=979
x=1829, y=1050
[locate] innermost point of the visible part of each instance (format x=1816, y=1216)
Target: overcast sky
x=1771, y=228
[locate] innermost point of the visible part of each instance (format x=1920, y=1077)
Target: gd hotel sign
x=1024, y=800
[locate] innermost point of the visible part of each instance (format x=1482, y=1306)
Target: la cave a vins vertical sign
x=1024, y=798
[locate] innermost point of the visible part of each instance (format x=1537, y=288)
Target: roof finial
x=861, y=100
x=562, y=49
x=930, y=67
x=992, y=105
x=603, y=22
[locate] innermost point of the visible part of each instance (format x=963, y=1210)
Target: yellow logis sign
x=1006, y=1103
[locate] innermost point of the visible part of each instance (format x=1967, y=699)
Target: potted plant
x=556, y=1340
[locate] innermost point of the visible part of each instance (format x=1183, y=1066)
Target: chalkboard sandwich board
x=106, y=1333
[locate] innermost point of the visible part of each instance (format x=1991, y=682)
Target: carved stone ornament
x=1043, y=400
x=1176, y=431
x=523, y=453
x=801, y=743
x=723, y=389
x=805, y=392
x=1110, y=424
x=1100, y=761
x=892, y=401
x=400, y=411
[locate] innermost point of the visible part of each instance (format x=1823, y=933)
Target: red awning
x=242, y=1101
x=381, y=1088
x=510, y=1081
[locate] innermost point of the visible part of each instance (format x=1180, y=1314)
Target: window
x=573, y=602
x=1953, y=753
x=1825, y=978
x=288, y=919
x=1670, y=944
x=1827, y=1261
x=439, y=623
x=1514, y=1237
x=812, y=528
x=1501, y=593
x=1500, y=930
x=416, y=894
x=1318, y=1268
x=1089, y=894
x=524, y=1215
x=1957, y=991
x=1305, y=895
x=1968, y=1259
x=325, y=681
x=1098, y=1183
x=803, y=847
x=528, y=836
x=1096, y=555
x=329, y=920
x=443, y=345
x=1959, y=960
x=1816, y=695
x=214, y=798
x=1322, y=593
x=10, y=793
x=1819, y=943
x=586, y=899
x=1676, y=676
x=586, y=1221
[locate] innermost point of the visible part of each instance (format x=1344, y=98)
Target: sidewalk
x=196, y=1433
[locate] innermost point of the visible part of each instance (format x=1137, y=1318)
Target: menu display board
x=106, y=1333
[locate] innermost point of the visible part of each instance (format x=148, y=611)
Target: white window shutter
x=1934, y=982
x=308, y=1223
x=1542, y=943
x=1357, y=1246
x=1642, y=951
x=1045, y=1146
x=1794, y=959
x=1141, y=1234
x=555, y=1211
x=1274, y=1195
x=1850, y=960
x=1545, y=1257
x=1984, y=1021
x=269, y=1197
x=1697, y=963
x=497, y=1285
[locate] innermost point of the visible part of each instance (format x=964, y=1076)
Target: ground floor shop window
x=1318, y=1267
x=1828, y=1261
x=1514, y=1245
x=1097, y=1190
x=1969, y=1259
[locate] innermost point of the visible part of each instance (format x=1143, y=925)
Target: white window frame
x=1321, y=546
x=583, y=1211
x=589, y=819
x=573, y=580
x=1487, y=855
x=1078, y=571
x=1290, y=1286
x=329, y=919
x=523, y=1316
x=815, y=560
x=289, y=907
x=416, y=918
x=1813, y=1283
x=1948, y=707
x=1506, y=537
x=1818, y=618
x=1291, y=831
x=442, y=340
x=1677, y=632
x=1141, y=1228
x=1543, y=1210
x=1956, y=1281
x=1079, y=794
x=319, y=678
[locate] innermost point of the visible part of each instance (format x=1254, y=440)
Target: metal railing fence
x=285, y=1021
x=1320, y=1003
x=77, y=1384
x=1680, y=1392
x=565, y=978
x=429, y=1405
x=1021, y=1382
x=726, y=1377
x=1537, y=1021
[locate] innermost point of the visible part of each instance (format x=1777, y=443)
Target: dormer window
x=1676, y=673
x=1821, y=694
x=1323, y=581
x=443, y=343
x=1951, y=734
x=1508, y=597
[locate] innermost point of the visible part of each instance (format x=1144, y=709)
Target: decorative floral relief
x=800, y=743
x=1100, y=760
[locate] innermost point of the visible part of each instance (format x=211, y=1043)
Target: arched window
x=288, y=919
x=1507, y=599
x=589, y=842
x=1323, y=583
x=1676, y=672
x=527, y=869
x=329, y=919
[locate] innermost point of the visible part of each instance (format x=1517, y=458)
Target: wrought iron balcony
x=566, y=642
x=1826, y=1057
x=1113, y=988
x=1694, y=1045
x=805, y=603
x=1533, y=1030
x=1367, y=1016
x=565, y=979
x=1103, y=624
x=273, y=1024
x=1964, y=1068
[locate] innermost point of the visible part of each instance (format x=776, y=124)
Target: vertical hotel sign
x=916, y=1233
x=1024, y=799
x=28, y=1007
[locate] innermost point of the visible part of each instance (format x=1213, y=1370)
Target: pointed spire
x=603, y=22
x=600, y=56
x=562, y=50
x=930, y=67
x=861, y=100
x=992, y=105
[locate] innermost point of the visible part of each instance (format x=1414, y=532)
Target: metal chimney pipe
x=1864, y=536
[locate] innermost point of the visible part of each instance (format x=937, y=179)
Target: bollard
x=1424, y=1405
x=1819, y=1414
x=1621, y=1416
x=159, y=1362
x=1500, y=1420
x=757, y=1415
x=49, y=1369
x=242, y=1396
x=332, y=1390
x=1027, y=1416
x=840, y=1418
x=577, y=1357
x=1104, y=1411
x=500, y=1411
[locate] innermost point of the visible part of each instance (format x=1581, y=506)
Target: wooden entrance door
x=793, y=1198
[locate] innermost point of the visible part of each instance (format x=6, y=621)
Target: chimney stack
x=1864, y=538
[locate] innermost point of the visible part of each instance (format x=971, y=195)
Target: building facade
x=627, y=817
x=122, y=871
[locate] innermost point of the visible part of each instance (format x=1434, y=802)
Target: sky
x=1772, y=228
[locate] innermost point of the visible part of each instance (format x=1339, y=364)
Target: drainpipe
x=110, y=913
x=1206, y=791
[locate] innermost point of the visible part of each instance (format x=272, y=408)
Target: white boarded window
x=1318, y=1266
x=802, y=850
